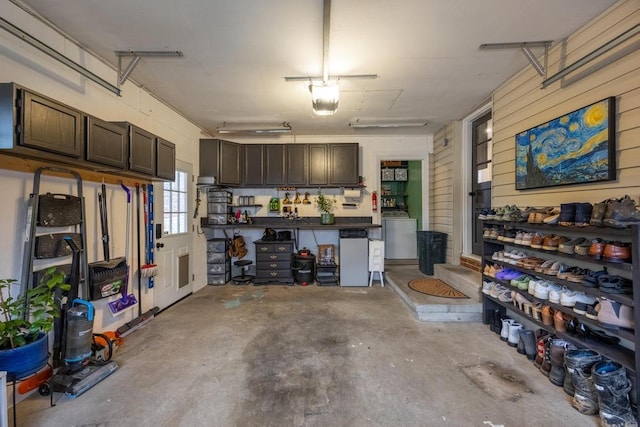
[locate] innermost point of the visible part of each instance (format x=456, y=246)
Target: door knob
x=159, y=245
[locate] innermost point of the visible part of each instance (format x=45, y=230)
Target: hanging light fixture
x=325, y=96
x=325, y=90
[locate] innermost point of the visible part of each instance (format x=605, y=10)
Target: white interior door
x=173, y=251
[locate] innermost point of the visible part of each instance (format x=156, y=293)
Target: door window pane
x=175, y=204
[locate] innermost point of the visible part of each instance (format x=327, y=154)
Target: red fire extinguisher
x=374, y=202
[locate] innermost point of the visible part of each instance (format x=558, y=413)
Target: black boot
x=528, y=338
x=579, y=363
x=613, y=386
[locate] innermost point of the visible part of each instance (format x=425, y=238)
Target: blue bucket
x=26, y=360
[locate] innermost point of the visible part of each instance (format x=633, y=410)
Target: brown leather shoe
x=537, y=240
x=551, y=242
x=616, y=252
x=596, y=248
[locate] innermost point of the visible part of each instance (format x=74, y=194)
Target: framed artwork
x=575, y=148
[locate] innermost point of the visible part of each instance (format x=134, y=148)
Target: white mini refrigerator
x=400, y=239
x=354, y=261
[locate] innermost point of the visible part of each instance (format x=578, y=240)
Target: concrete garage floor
x=310, y=356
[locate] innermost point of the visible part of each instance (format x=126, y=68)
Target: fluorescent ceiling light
x=256, y=129
x=324, y=97
x=386, y=124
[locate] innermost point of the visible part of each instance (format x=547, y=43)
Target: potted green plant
x=326, y=206
x=25, y=322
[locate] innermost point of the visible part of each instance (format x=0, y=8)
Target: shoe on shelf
x=560, y=320
x=555, y=267
x=598, y=212
x=617, y=252
x=486, y=286
x=568, y=246
x=614, y=284
x=569, y=299
x=622, y=213
x=567, y=214
x=614, y=315
x=590, y=279
x=555, y=294
x=551, y=219
x=537, y=240
x=582, y=248
x=592, y=310
x=565, y=271
x=583, y=214
x=493, y=234
x=544, y=266
x=547, y=315
x=578, y=275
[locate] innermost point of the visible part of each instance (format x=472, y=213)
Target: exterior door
x=481, y=176
x=172, y=204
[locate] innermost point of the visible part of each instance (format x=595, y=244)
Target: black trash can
x=432, y=249
x=304, y=269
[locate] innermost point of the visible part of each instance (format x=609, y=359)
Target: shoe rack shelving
x=622, y=353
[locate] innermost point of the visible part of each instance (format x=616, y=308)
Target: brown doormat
x=435, y=287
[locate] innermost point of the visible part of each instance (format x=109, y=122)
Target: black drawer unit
x=273, y=262
x=218, y=262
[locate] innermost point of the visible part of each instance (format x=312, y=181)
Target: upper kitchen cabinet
x=253, y=165
x=34, y=126
x=142, y=149
x=222, y=160
x=318, y=164
x=165, y=159
x=274, y=165
x=107, y=143
x=297, y=161
x=343, y=165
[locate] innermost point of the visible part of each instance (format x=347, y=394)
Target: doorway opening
x=401, y=207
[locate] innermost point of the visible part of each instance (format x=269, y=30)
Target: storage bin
x=432, y=249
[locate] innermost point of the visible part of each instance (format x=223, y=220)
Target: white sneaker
x=543, y=289
x=568, y=299
x=486, y=287
x=555, y=295
x=532, y=286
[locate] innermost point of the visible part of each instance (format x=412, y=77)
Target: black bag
x=269, y=235
x=284, y=235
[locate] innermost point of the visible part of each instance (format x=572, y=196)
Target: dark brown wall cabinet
x=32, y=125
x=107, y=143
x=222, y=160
x=253, y=165
x=274, y=171
x=165, y=159
x=142, y=150
x=297, y=164
x=318, y=164
x=343, y=164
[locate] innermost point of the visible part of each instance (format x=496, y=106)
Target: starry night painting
x=576, y=148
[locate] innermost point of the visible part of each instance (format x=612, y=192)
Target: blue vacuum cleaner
x=77, y=371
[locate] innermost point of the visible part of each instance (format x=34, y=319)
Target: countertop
x=306, y=223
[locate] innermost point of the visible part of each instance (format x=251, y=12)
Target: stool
x=376, y=260
x=243, y=278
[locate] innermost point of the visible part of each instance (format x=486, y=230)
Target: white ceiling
x=237, y=53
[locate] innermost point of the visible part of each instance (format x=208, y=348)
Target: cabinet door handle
x=273, y=265
x=274, y=257
x=273, y=274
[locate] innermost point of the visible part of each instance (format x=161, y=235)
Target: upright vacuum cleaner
x=77, y=371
